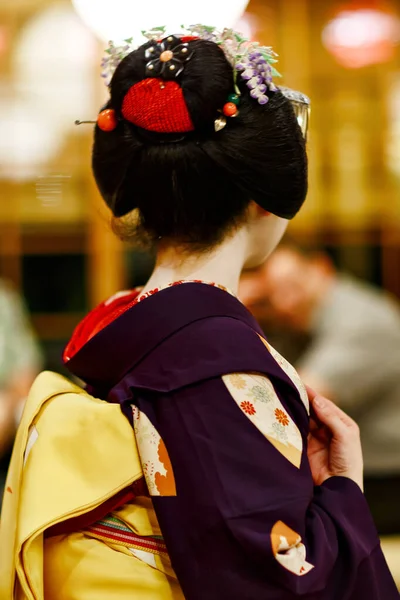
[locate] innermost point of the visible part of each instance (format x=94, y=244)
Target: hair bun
x=193, y=187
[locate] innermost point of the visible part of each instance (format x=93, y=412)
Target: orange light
x=362, y=35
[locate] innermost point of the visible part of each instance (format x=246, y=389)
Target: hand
x=334, y=446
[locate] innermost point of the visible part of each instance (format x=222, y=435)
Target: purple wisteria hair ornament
x=250, y=61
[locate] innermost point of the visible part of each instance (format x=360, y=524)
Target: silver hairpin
x=301, y=105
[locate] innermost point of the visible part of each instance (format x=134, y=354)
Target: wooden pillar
x=265, y=18
x=295, y=29
x=105, y=252
x=10, y=253
x=10, y=234
x=294, y=43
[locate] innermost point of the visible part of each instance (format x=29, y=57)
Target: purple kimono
x=234, y=495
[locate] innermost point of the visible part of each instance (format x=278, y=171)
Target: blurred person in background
x=346, y=334
x=20, y=362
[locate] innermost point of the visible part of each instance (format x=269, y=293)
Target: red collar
x=111, y=309
x=98, y=319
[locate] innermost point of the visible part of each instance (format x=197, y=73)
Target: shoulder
x=205, y=348
x=212, y=348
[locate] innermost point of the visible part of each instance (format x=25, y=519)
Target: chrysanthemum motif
x=248, y=408
x=167, y=58
x=281, y=417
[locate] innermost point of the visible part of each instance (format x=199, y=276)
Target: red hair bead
x=230, y=109
x=107, y=121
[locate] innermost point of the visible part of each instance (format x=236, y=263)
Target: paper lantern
x=120, y=19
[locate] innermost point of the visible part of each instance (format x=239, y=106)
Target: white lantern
x=120, y=19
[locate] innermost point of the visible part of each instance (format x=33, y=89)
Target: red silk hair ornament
x=188, y=38
x=157, y=105
x=107, y=121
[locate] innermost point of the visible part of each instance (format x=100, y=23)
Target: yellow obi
x=72, y=453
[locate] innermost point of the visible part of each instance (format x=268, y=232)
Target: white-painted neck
x=222, y=265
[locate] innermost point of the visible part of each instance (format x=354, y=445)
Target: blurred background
x=58, y=257
x=55, y=242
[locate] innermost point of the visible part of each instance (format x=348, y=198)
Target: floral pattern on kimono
x=256, y=397
x=156, y=464
x=288, y=549
x=290, y=372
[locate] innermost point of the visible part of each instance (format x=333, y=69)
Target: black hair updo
x=193, y=188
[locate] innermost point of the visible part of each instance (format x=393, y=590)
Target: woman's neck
x=222, y=265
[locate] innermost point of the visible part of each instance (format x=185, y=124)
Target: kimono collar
x=122, y=344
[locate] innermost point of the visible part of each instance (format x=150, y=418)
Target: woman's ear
x=255, y=211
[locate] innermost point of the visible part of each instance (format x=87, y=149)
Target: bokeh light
x=362, y=37
x=53, y=85
x=122, y=19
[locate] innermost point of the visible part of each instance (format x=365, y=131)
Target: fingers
x=326, y=407
x=311, y=393
x=333, y=417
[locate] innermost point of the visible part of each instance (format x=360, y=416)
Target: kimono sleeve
x=242, y=489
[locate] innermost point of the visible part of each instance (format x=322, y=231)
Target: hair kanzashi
x=190, y=183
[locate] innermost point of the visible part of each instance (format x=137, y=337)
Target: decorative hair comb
x=253, y=62
x=166, y=60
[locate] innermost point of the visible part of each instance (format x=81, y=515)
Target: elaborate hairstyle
x=164, y=156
